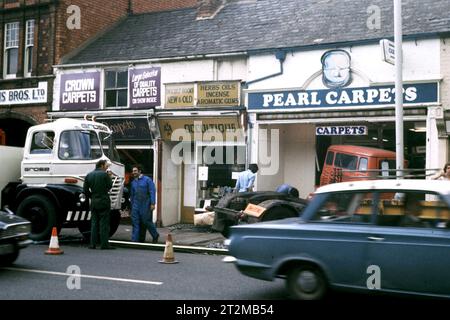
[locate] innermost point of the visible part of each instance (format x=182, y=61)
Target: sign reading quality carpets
x=80, y=91
x=145, y=87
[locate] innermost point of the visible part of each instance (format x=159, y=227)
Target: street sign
x=387, y=51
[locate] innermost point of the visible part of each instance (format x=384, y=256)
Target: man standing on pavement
x=246, y=179
x=96, y=187
x=142, y=198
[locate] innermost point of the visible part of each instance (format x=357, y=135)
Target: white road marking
x=85, y=276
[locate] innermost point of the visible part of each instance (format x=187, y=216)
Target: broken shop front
x=201, y=156
x=309, y=121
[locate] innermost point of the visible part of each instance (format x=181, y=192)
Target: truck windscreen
x=79, y=145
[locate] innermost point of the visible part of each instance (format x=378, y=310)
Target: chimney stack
x=208, y=9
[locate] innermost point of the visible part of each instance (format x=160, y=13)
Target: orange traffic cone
x=54, y=244
x=168, y=256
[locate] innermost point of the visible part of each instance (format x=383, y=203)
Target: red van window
x=345, y=161
x=330, y=156
x=363, y=163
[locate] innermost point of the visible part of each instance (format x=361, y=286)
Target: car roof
x=362, y=151
x=438, y=186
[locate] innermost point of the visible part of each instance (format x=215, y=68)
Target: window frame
x=29, y=44
x=115, y=89
x=10, y=44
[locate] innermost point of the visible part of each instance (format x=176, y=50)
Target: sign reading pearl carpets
x=145, y=87
x=417, y=93
x=215, y=94
x=80, y=91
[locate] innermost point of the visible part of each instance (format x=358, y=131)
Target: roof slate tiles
x=259, y=25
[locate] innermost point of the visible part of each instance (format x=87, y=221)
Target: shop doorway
x=14, y=131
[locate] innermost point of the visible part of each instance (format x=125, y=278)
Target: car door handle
x=375, y=239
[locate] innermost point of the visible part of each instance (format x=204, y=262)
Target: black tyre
x=8, y=259
x=277, y=213
x=41, y=212
x=114, y=221
x=306, y=283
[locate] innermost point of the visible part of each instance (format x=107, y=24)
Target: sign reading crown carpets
x=145, y=87
x=80, y=91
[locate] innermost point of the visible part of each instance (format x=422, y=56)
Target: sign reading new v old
x=417, y=93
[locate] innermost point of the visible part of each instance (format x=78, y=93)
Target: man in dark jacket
x=96, y=187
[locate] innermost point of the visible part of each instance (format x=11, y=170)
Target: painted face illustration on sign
x=336, y=68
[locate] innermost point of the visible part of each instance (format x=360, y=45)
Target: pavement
x=185, y=237
x=182, y=235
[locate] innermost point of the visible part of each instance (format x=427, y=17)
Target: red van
x=350, y=163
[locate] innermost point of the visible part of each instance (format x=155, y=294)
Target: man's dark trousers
x=100, y=226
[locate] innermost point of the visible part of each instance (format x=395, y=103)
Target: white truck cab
x=57, y=156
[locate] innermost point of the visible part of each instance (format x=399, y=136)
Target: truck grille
x=116, y=192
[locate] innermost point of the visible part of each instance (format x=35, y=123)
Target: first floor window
x=29, y=44
x=11, y=48
x=116, y=88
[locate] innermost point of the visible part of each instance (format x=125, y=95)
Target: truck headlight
x=82, y=197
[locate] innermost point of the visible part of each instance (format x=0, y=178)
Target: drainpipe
x=281, y=56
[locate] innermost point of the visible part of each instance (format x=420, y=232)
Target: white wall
x=296, y=158
x=172, y=72
x=421, y=62
x=170, y=191
x=299, y=154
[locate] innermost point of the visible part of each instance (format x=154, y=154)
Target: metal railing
x=342, y=175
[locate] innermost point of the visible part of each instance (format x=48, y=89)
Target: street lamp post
x=398, y=87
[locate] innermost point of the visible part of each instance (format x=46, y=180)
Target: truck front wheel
x=40, y=211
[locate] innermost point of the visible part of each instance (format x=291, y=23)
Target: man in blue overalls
x=142, y=197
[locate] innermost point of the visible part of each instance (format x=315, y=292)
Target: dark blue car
x=385, y=235
x=14, y=235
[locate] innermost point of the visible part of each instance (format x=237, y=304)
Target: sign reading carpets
x=179, y=95
x=201, y=129
x=80, y=91
x=341, y=131
x=418, y=93
x=145, y=87
x=218, y=93
x=25, y=95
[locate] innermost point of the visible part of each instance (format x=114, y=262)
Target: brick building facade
x=34, y=36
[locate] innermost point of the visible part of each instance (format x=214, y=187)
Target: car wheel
x=8, y=259
x=40, y=211
x=306, y=283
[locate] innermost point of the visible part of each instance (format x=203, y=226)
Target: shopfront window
x=221, y=162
